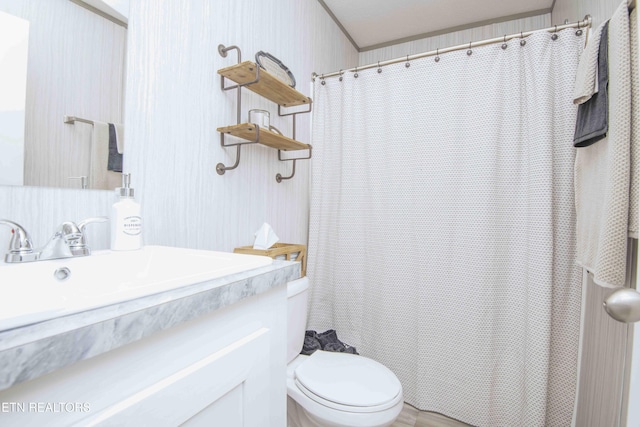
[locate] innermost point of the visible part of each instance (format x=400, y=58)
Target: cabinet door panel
x=222, y=386
x=226, y=411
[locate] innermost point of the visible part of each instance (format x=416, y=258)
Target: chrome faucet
x=68, y=241
x=20, y=246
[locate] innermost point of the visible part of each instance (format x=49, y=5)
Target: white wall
x=174, y=105
x=454, y=39
x=574, y=10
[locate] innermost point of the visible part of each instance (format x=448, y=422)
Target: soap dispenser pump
x=126, y=221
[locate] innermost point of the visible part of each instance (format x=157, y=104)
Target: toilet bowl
x=334, y=389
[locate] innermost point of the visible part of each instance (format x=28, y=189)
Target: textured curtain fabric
x=442, y=227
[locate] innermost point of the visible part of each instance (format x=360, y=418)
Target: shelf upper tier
x=274, y=140
x=268, y=86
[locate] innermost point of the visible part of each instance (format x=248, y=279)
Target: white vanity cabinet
x=224, y=368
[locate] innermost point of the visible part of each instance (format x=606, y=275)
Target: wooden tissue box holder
x=278, y=249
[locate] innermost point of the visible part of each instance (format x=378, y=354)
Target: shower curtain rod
x=585, y=23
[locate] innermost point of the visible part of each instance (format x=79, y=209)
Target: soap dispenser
x=126, y=222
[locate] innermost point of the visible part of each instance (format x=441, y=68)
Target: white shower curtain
x=442, y=219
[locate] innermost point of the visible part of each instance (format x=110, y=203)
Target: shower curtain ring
x=322, y=82
x=522, y=40
x=504, y=42
x=469, y=51
x=379, y=69
x=340, y=78
x=579, y=32
x=437, y=59
x=407, y=64
x=554, y=37
x=356, y=73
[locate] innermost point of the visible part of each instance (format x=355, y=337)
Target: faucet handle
x=79, y=245
x=82, y=224
x=68, y=230
x=21, y=242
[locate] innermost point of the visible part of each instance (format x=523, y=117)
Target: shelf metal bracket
x=239, y=85
x=220, y=167
x=281, y=114
x=279, y=177
x=222, y=50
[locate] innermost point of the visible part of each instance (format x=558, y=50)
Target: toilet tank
x=297, y=295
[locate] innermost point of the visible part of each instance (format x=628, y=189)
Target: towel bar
x=73, y=119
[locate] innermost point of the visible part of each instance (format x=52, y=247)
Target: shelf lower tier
x=270, y=139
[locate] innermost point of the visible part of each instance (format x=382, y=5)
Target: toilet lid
x=347, y=379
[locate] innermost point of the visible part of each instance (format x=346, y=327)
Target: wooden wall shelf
x=249, y=75
x=267, y=85
x=271, y=139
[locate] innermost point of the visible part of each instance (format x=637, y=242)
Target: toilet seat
x=347, y=382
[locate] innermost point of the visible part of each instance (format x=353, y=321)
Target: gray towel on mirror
x=592, y=122
x=327, y=341
x=115, y=159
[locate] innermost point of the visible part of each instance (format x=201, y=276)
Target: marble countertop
x=34, y=350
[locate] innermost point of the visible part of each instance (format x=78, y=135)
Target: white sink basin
x=30, y=292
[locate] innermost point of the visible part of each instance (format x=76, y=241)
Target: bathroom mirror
x=75, y=67
x=14, y=46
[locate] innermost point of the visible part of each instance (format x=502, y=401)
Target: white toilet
x=334, y=389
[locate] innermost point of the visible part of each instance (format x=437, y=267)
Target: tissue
x=265, y=237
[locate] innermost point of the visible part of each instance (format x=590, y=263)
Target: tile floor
x=411, y=417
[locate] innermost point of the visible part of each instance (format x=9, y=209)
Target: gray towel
x=592, y=122
x=115, y=159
